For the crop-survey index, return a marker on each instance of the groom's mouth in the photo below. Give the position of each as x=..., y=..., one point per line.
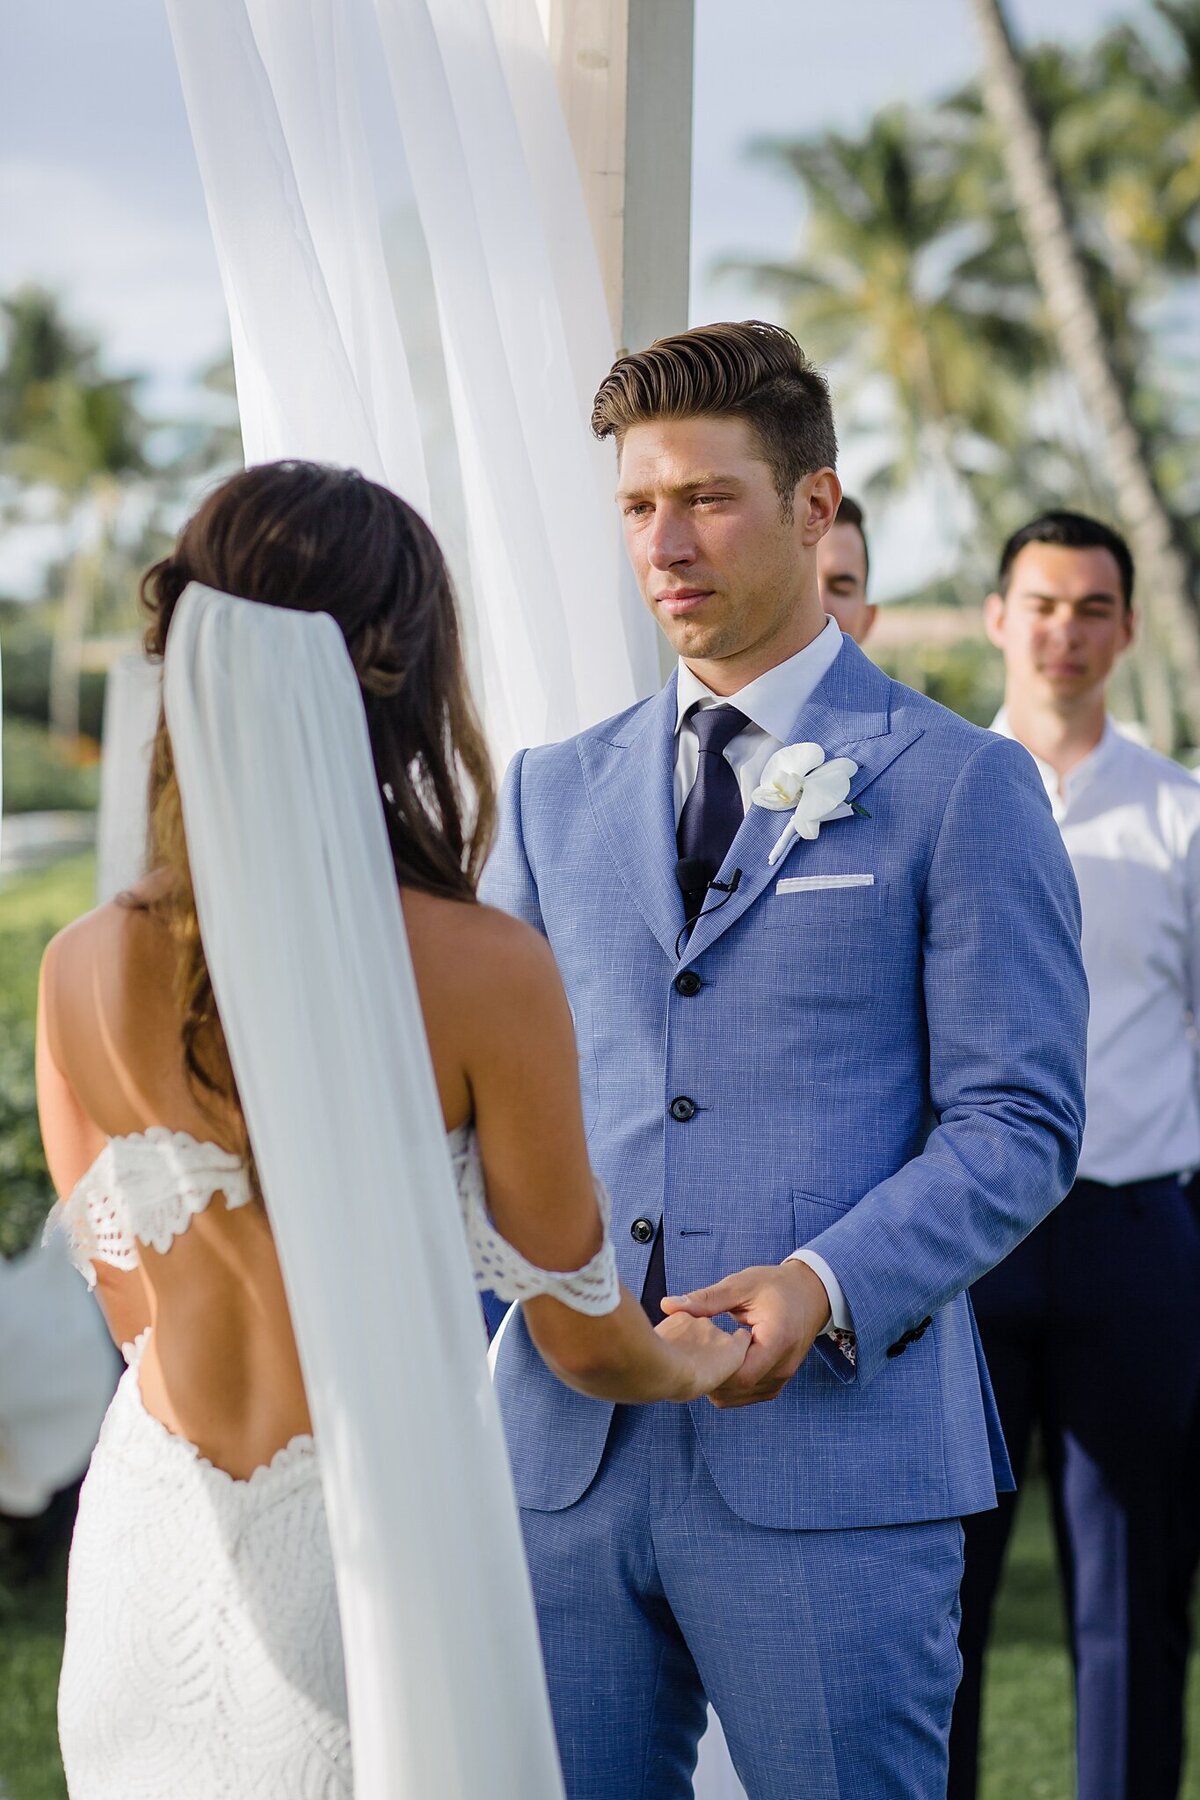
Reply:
x=682, y=600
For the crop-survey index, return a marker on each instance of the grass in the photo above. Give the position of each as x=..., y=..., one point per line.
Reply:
x=30, y=1654
x=49, y=898
x=1028, y=1752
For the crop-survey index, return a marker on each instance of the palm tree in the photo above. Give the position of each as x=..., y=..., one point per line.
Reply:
x=1160, y=546
x=66, y=425
x=923, y=323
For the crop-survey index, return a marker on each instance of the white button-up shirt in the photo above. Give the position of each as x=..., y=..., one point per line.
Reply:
x=771, y=703
x=1130, y=820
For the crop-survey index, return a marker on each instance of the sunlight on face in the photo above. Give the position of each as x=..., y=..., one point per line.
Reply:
x=722, y=567
x=842, y=579
x=1063, y=623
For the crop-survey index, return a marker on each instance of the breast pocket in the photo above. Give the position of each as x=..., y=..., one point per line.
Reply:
x=824, y=902
x=829, y=937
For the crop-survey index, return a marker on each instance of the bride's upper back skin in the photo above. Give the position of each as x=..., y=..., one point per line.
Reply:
x=129, y=1040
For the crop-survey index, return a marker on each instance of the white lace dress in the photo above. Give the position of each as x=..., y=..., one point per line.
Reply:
x=203, y=1655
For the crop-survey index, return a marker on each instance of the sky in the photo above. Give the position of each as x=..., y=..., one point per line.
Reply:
x=100, y=197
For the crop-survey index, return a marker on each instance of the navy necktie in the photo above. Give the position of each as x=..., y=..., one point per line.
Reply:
x=707, y=826
x=713, y=810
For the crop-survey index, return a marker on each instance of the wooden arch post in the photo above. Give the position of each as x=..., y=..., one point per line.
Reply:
x=624, y=71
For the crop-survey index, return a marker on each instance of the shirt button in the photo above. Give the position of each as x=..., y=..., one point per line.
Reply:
x=683, y=1109
x=688, y=983
x=641, y=1231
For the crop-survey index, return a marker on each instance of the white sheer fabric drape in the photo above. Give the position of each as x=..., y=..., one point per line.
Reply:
x=274, y=96
x=132, y=692
x=305, y=941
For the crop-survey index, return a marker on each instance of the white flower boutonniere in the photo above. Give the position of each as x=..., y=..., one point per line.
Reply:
x=799, y=780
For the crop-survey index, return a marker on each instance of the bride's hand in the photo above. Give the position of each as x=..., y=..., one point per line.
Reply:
x=708, y=1355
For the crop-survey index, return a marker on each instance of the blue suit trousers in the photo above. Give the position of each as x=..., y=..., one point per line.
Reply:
x=830, y=1656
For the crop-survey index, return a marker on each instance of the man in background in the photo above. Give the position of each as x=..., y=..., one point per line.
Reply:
x=1091, y=1327
x=842, y=568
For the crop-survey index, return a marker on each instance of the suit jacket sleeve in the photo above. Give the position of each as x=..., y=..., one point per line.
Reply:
x=1006, y=1003
x=508, y=880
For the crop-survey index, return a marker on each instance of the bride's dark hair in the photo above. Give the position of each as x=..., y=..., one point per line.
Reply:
x=315, y=539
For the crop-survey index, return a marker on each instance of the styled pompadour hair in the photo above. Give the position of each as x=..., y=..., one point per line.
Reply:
x=750, y=371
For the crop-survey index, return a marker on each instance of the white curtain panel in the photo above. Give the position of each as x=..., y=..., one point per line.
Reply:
x=132, y=694
x=320, y=368
x=305, y=941
x=275, y=100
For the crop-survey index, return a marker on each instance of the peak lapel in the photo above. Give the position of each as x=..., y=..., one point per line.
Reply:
x=630, y=780
x=848, y=715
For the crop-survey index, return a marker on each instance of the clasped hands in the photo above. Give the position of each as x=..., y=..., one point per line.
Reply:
x=784, y=1306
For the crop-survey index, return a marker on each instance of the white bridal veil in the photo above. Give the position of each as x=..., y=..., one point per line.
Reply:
x=305, y=941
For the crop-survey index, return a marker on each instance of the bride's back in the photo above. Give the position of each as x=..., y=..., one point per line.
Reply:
x=221, y=1369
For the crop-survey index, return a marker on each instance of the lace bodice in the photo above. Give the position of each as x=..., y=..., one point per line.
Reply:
x=147, y=1187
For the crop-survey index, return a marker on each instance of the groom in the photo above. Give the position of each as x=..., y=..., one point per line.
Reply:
x=827, y=1092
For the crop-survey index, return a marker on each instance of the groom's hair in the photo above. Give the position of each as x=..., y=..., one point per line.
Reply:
x=750, y=371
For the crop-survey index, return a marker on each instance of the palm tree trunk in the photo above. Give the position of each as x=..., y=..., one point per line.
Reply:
x=1167, y=570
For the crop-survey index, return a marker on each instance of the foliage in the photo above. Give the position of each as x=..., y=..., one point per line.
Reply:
x=62, y=420
x=42, y=774
x=967, y=676
x=32, y=909
x=913, y=284
x=26, y=640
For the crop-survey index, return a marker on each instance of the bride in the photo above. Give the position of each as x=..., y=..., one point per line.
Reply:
x=204, y=1651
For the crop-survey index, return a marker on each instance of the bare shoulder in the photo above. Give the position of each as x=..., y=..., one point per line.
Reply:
x=478, y=946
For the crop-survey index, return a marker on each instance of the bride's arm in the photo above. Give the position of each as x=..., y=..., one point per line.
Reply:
x=523, y=1073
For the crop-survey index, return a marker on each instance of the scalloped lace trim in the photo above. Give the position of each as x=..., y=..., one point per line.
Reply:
x=295, y=1454
x=595, y=1289
x=145, y=1187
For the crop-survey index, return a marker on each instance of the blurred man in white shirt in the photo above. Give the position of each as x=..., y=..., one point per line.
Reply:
x=1092, y=1326
x=843, y=564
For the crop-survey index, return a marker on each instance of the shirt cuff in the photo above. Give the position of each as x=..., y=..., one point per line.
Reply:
x=839, y=1312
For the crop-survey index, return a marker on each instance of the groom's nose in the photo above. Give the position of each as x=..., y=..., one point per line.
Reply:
x=670, y=541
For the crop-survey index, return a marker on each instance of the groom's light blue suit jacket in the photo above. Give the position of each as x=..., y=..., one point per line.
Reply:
x=891, y=1073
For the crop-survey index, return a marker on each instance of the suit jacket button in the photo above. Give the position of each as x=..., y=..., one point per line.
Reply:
x=641, y=1231
x=687, y=983
x=683, y=1109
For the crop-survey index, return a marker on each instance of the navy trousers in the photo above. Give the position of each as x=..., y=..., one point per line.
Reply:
x=1091, y=1330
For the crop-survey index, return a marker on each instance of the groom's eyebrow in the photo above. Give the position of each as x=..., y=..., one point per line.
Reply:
x=697, y=485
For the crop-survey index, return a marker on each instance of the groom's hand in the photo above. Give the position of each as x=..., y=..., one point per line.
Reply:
x=786, y=1308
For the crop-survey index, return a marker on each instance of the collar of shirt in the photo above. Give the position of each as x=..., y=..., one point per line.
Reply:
x=1062, y=790
x=770, y=702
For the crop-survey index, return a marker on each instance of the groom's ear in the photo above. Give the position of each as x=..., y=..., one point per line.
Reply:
x=815, y=503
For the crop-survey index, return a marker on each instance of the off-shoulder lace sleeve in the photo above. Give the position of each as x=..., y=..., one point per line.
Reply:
x=595, y=1289
x=144, y=1188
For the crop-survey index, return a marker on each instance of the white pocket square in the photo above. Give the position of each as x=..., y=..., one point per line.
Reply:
x=810, y=884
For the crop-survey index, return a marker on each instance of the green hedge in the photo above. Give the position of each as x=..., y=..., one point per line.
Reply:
x=40, y=775
x=32, y=909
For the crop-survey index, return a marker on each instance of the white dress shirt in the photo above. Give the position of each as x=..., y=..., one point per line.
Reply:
x=771, y=703
x=1130, y=820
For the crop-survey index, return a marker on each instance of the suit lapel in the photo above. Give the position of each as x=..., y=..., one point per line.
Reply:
x=849, y=714
x=630, y=781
